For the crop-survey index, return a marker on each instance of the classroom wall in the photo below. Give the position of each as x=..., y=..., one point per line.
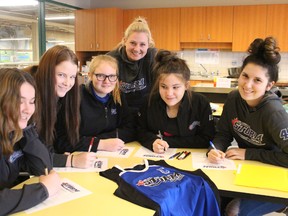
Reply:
x=227, y=59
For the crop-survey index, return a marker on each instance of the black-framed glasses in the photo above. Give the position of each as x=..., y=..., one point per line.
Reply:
x=102, y=77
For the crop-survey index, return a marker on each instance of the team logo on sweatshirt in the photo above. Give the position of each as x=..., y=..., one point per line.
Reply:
x=137, y=85
x=15, y=156
x=156, y=181
x=247, y=133
x=284, y=134
x=113, y=111
x=193, y=125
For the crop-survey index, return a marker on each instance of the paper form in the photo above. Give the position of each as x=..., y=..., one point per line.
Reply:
x=100, y=164
x=69, y=191
x=146, y=153
x=200, y=161
x=123, y=153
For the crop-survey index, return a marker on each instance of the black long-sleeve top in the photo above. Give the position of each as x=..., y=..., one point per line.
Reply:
x=30, y=155
x=192, y=128
x=136, y=77
x=102, y=120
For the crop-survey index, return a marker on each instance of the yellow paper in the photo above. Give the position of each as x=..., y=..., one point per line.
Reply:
x=269, y=177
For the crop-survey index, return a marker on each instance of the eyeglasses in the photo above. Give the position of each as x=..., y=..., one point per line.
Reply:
x=102, y=77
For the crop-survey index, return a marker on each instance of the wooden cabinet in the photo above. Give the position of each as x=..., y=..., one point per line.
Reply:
x=277, y=24
x=98, y=29
x=206, y=24
x=163, y=23
x=84, y=30
x=249, y=24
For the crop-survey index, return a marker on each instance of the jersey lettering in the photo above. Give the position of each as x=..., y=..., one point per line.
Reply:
x=284, y=134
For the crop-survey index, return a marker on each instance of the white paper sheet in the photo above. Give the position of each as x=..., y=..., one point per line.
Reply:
x=200, y=161
x=69, y=191
x=100, y=164
x=123, y=153
x=146, y=153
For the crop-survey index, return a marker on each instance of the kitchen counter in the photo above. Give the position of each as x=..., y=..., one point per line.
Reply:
x=214, y=90
x=284, y=91
x=201, y=78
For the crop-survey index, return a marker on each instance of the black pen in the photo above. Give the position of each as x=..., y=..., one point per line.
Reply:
x=161, y=137
x=187, y=154
x=175, y=155
x=181, y=155
x=184, y=155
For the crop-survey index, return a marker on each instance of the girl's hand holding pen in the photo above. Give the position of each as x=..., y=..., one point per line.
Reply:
x=215, y=155
x=160, y=146
x=82, y=160
x=52, y=182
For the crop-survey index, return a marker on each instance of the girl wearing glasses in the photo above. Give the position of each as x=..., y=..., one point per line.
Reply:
x=105, y=116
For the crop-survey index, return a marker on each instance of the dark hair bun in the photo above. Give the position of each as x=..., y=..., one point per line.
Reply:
x=164, y=56
x=266, y=49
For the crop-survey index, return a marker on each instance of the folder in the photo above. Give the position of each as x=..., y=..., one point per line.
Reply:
x=261, y=176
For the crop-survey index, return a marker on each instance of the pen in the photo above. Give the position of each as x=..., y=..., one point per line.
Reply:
x=212, y=145
x=160, y=135
x=182, y=155
x=175, y=155
x=46, y=171
x=186, y=154
x=179, y=154
x=91, y=144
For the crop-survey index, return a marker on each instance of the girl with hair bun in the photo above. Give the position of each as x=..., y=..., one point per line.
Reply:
x=254, y=107
x=174, y=116
x=135, y=55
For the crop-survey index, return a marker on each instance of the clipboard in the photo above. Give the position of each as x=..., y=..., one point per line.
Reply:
x=261, y=176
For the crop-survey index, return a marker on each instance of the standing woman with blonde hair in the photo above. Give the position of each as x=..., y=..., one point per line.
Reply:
x=135, y=55
x=59, y=119
x=105, y=117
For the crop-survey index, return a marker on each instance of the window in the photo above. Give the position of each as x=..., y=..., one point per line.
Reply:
x=19, y=32
x=59, y=25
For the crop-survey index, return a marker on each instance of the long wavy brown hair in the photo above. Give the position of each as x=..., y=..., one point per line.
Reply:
x=11, y=80
x=46, y=80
